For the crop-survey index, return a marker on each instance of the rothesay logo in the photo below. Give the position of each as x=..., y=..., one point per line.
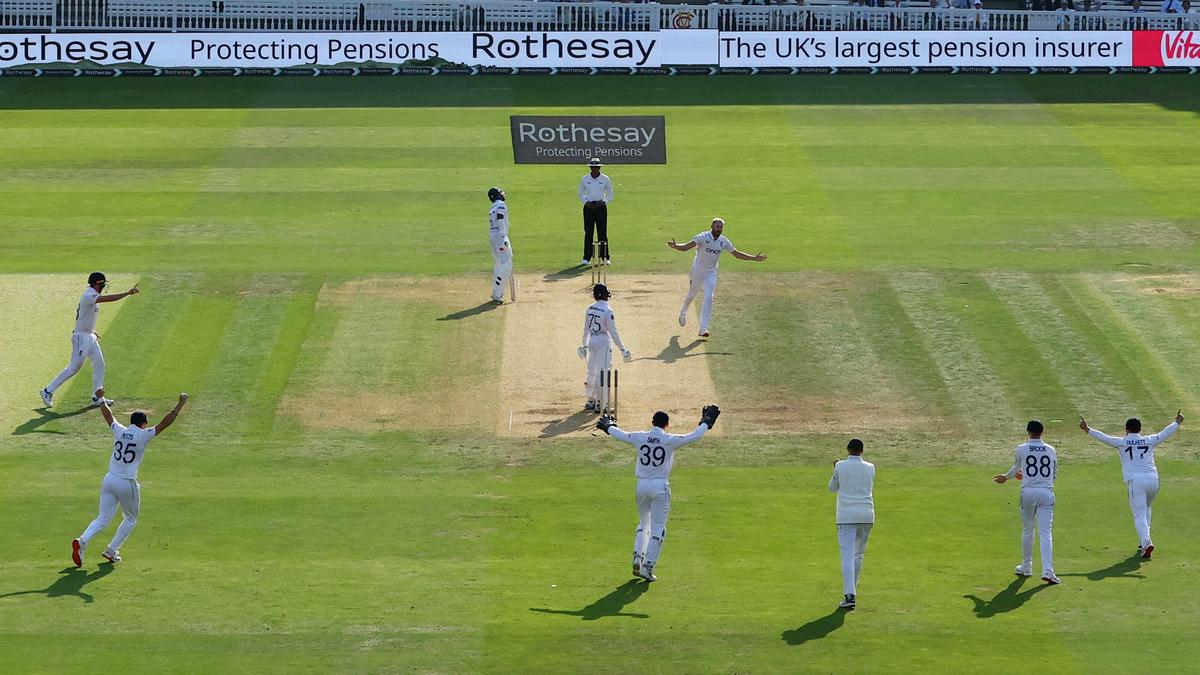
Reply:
x=575, y=140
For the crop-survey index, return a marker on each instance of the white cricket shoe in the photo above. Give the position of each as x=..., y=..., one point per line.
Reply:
x=848, y=601
x=647, y=572
x=683, y=318
x=112, y=556
x=47, y=398
x=584, y=262
x=1024, y=570
x=1051, y=579
x=607, y=261
x=98, y=400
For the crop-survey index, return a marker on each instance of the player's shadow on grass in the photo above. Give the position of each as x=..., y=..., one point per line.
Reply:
x=1006, y=600
x=815, y=629
x=567, y=273
x=470, y=312
x=580, y=421
x=45, y=416
x=70, y=583
x=1118, y=570
x=675, y=351
x=609, y=605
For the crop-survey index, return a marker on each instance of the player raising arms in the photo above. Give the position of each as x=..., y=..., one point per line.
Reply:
x=709, y=247
x=655, y=456
x=85, y=341
x=120, y=486
x=1138, y=470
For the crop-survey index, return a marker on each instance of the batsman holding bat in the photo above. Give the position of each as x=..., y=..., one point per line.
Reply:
x=655, y=456
x=502, y=256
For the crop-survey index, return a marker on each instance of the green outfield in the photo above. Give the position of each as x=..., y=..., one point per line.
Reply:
x=379, y=472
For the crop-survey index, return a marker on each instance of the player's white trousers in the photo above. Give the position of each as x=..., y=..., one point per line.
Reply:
x=654, y=505
x=115, y=491
x=502, y=266
x=83, y=346
x=599, y=358
x=1037, y=512
x=705, y=280
x=1142, y=492
x=852, y=543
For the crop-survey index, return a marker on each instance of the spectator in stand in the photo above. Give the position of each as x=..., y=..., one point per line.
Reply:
x=1171, y=7
x=981, y=19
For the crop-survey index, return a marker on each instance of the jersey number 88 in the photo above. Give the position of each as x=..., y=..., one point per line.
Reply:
x=1039, y=466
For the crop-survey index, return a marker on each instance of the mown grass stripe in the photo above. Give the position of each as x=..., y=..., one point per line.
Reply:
x=899, y=347
x=1143, y=314
x=1089, y=386
x=961, y=363
x=284, y=355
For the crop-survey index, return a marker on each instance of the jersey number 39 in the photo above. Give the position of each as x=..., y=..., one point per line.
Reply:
x=652, y=456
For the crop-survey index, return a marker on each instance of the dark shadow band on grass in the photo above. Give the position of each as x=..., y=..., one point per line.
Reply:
x=1123, y=569
x=1006, y=600
x=608, y=606
x=815, y=629
x=70, y=583
x=566, y=274
x=532, y=91
x=45, y=416
x=674, y=351
x=470, y=312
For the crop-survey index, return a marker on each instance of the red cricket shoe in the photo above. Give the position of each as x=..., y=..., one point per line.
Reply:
x=77, y=552
x=1147, y=551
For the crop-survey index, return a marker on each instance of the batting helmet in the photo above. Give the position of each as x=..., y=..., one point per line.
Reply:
x=495, y=193
x=95, y=277
x=600, y=292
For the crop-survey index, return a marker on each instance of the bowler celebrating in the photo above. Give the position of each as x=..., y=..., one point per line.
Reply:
x=1036, y=466
x=1139, y=471
x=655, y=456
x=599, y=325
x=120, y=486
x=709, y=247
x=85, y=342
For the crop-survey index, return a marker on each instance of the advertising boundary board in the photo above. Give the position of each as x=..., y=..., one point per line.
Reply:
x=666, y=52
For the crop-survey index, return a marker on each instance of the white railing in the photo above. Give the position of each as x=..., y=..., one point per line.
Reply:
x=501, y=15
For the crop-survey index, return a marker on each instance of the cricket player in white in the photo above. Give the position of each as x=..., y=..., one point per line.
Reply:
x=1036, y=466
x=502, y=256
x=854, y=482
x=1138, y=470
x=599, y=334
x=85, y=341
x=655, y=457
x=709, y=247
x=120, y=486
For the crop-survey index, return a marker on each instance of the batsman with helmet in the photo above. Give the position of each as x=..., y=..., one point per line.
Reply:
x=502, y=257
x=599, y=334
x=655, y=457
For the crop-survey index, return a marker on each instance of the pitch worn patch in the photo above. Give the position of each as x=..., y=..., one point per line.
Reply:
x=542, y=377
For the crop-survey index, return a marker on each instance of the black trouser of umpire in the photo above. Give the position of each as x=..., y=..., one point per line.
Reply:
x=595, y=220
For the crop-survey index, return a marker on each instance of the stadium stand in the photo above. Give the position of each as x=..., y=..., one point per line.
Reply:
x=506, y=15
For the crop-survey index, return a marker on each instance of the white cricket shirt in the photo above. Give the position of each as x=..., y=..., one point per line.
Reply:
x=498, y=219
x=1136, y=451
x=656, y=449
x=89, y=309
x=129, y=447
x=854, y=482
x=708, y=250
x=597, y=189
x=599, y=323
x=1038, y=464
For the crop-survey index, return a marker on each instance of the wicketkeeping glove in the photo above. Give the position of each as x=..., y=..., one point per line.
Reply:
x=604, y=423
x=582, y=352
x=709, y=414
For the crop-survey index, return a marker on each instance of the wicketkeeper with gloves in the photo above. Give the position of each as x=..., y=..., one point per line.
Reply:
x=599, y=325
x=655, y=455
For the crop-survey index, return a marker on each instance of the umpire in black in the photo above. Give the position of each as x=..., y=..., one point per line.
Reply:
x=595, y=191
